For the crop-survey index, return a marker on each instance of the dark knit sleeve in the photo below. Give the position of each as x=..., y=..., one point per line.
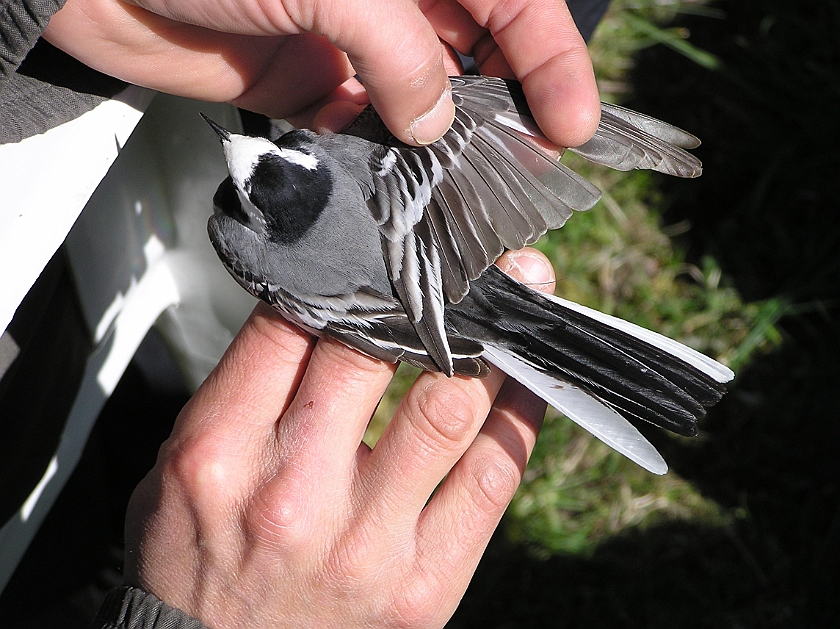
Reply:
x=21, y=24
x=40, y=86
x=587, y=14
x=131, y=608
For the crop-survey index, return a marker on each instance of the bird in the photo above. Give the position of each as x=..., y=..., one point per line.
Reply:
x=389, y=248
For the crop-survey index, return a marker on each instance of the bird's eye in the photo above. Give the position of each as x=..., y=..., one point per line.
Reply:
x=226, y=200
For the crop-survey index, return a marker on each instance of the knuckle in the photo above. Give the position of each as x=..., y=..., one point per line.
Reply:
x=443, y=416
x=356, y=564
x=280, y=514
x=349, y=567
x=495, y=481
x=416, y=604
x=195, y=468
x=502, y=13
x=427, y=69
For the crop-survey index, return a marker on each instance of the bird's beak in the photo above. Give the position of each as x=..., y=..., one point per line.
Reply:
x=224, y=134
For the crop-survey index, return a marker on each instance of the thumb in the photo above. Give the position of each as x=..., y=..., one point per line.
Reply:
x=398, y=57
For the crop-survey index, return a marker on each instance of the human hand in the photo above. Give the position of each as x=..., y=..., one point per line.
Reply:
x=283, y=57
x=265, y=509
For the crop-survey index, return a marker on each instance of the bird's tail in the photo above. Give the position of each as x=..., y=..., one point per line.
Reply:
x=596, y=369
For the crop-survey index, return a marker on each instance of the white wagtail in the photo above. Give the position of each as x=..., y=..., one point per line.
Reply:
x=390, y=249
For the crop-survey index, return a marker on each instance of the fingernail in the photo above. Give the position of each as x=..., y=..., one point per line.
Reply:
x=532, y=270
x=431, y=126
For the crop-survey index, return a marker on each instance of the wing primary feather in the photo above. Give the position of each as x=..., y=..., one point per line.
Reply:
x=574, y=191
x=512, y=222
x=516, y=184
x=656, y=128
x=626, y=140
x=476, y=212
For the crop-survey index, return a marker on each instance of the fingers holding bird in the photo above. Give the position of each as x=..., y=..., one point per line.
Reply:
x=479, y=432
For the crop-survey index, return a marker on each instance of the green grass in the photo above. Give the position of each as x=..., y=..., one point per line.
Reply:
x=632, y=25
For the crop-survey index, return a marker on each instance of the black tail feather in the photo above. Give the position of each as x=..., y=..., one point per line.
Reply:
x=628, y=374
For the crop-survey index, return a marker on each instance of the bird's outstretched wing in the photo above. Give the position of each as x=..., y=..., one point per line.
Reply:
x=448, y=210
x=627, y=139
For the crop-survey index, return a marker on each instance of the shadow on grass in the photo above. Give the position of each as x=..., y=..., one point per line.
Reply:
x=675, y=576
x=767, y=204
x=767, y=209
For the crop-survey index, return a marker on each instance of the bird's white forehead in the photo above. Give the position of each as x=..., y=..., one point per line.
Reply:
x=243, y=152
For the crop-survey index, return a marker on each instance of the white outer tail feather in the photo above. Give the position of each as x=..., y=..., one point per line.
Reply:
x=583, y=409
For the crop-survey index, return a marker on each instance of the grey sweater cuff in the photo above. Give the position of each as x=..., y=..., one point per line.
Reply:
x=129, y=607
x=40, y=86
x=21, y=24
